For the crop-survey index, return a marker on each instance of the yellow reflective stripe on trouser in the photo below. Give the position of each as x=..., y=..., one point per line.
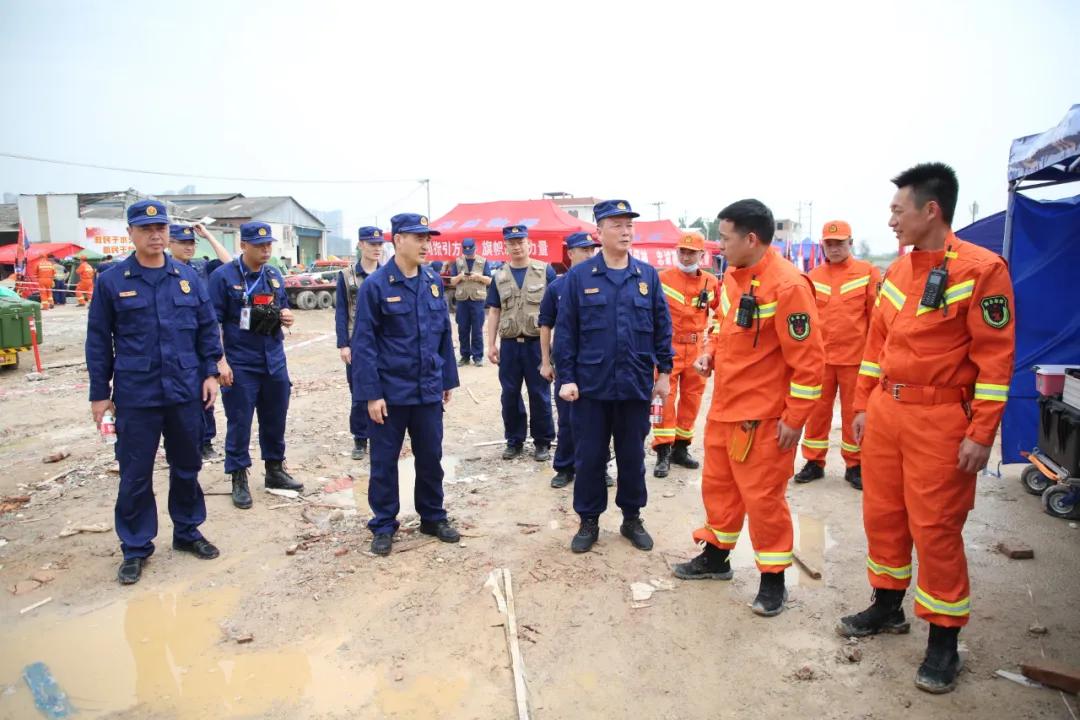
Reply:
x=773, y=558
x=892, y=293
x=816, y=444
x=953, y=294
x=673, y=294
x=822, y=288
x=807, y=392
x=900, y=573
x=767, y=310
x=870, y=369
x=849, y=447
x=855, y=284
x=663, y=432
x=684, y=434
x=725, y=537
x=961, y=608
x=986, y=391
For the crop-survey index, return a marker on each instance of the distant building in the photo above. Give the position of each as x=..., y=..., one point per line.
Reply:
x=788, y=232
x=301, y=236
x=579, y=207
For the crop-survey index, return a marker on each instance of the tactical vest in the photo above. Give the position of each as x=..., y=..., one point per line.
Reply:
x=470, y=289
x=352, y=289
x=521, y=305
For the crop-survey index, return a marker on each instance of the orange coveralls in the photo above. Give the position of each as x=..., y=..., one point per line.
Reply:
x=845, y=298
x=689, y=318
x=46, y=274
x=84, y=291
x=765, y=373
x=930, y=378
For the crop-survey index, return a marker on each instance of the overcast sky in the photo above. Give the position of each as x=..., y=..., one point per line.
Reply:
x=694, y=104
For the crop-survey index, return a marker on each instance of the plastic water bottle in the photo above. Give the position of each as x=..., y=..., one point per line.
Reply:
x=108, y=428
x=656, y=411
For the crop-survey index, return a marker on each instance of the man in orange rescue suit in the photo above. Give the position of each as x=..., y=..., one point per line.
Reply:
x=932, y=388
x=46, y=274
x=768, y=360
x=690, y=293
x=84, y=291
x=846, y=289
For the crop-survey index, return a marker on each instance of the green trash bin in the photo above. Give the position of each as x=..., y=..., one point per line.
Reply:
x=15, y=314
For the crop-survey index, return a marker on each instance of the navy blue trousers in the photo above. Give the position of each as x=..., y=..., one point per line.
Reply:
x=520, y=362
x=564, y=450
x=358, y=417
x=138, y=433
x=595, y=423
x=209, y=425
x=255, y=392
x=424, y=424
x=470, y=328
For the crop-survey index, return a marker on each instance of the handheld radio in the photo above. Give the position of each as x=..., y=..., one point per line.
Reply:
x=744, y=315
x=934, y=291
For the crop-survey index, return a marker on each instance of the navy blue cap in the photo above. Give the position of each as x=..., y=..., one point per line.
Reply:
x=411, y=223
x=468, y=244
x=513, y=232
x=148, y=212
x=612, y=208
x=181, y=233
x=371, y=234
x=580, y=240
x=256, y=233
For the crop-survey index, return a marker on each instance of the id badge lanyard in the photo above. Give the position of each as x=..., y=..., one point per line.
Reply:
x=245, y=312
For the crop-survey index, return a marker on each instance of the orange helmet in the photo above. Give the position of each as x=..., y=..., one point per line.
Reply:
x=836, y=230
x=691, y=241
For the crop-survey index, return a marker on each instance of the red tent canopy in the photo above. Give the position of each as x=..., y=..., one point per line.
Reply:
x=654, y=243
x=548, y=226
x=39, y=250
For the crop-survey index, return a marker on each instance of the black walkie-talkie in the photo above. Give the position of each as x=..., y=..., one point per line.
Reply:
x=744, y=316
x=703, y=300
x=934, y=291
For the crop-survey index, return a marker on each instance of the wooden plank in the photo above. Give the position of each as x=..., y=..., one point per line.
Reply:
x=515, y=650
x=48, y=697
x=810, y=569
x=1055, y=674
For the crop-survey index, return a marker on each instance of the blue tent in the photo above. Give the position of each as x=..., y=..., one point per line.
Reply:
x=988, y=233
x=1042, y=247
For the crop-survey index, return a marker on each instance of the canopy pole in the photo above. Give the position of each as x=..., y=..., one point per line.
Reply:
x=1006, y=244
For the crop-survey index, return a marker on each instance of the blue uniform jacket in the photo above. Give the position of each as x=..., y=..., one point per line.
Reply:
x=549, y=305
x=405, y=337
x=341, y=307
x=244, y=348
x=153, y=345
x=610, y=337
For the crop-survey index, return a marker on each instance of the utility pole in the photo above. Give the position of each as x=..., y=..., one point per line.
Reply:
x=974, y=210
x=427, y=187
x=658, y=205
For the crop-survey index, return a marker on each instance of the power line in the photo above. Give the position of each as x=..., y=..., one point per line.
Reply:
x=94, y=166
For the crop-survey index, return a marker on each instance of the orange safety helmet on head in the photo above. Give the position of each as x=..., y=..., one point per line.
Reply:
x=691, y=241
x=836, y=230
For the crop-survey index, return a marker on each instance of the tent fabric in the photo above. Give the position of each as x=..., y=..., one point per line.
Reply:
x=39, y=250
x=655, y=240
x=548, y=226
x=1043, y=259
x=1050, y=156
x=987, y=233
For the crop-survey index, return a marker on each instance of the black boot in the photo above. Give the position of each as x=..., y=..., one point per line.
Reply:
x=663, y=461
x=885, y=615
x=562, y=478
x=854, y=476
x=587, y=535
x=207, y=450
x=811, y=471
x=634, y=530
x=359, y=449
x=463, y=362
x=241, y=495
x=680, y=455
x=939, y=668
x=541, y=453
x=711, y=564
x=130, y=570
x=771, y=595
x=511, y=452
x=277, y=478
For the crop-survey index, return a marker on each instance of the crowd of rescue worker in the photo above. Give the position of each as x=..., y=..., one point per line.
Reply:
x=920, y=356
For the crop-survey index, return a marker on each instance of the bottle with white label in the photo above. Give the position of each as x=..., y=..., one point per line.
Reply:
x=108, y=428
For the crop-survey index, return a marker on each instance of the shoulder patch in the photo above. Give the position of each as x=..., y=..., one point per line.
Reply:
x=995, y=311
x=798, y=326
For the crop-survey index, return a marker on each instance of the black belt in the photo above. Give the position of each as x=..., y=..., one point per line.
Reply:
x=522, y=338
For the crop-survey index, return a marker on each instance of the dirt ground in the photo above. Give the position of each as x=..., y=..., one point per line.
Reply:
x=333, y=632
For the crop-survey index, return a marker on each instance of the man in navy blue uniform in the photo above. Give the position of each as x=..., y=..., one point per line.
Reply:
x=513, y=330
x=251, y=305
x=182, y=249
x=612, y=338
x=369, y=247
x=403, y=369
x=579, y=248
x=470, y=277
x=151, y=335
